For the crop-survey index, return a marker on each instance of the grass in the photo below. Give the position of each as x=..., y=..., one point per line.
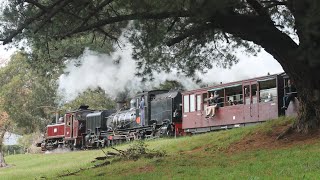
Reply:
x=196, y=157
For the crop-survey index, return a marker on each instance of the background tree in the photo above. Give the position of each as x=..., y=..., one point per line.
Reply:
x=171, y=84
x=4, y=126
x=189, y=35
x=23, y=93
x=96, y=99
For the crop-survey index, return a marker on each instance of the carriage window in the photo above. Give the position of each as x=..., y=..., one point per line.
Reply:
x=234, y=95
x=246, y=91
x=186, y=103
x=198, y=102
x=254, y=93
x=192, y=103
x=268, y=90
x=67, y=118
x=152, y=97
x=204, y=97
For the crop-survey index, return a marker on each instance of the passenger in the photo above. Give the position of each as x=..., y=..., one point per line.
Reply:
x=142, y=120
x=289, y=95
x=230, y=102
x=214, y=103
x=176, y=114
x=269, y=98
x=211, y=100
x=217, y=99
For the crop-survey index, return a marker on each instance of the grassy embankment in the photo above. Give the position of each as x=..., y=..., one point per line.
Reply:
x=244, y=153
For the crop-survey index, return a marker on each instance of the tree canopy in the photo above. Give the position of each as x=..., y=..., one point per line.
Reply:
x=185, y=34
x=96, y=99
x=24, y=93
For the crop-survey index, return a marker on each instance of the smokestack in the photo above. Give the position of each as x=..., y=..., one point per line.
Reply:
x=121, y=105
x=121, y=100
x=57, y=117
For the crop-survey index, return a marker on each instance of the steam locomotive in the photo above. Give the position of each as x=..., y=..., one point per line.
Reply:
x=85, y=128
x=172, y=113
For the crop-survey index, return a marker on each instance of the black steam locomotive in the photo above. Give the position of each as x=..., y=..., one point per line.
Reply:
x=151, y=114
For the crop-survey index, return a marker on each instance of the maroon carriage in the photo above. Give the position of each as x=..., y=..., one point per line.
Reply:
x=240, y=103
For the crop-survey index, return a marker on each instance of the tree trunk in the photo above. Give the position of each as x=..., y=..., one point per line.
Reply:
x=308, y=89
x=2, y=161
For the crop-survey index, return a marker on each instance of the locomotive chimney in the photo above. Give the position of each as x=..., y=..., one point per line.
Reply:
x=57, y=116
x=120, y=105
x=121, y=100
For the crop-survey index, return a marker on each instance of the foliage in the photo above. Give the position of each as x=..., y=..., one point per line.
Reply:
x=51, y=58
x=168, y=84
x=28, y=142
x=13, y=149
x=178, y=21
x=139, y=150
x=96, y=99
x=24, y=94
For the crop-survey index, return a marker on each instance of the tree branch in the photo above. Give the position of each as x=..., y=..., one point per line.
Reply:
x=53, y=13
x=95, y=11
x=189, y=33
x=107, y=34
x=136, y=16
x=14, y=33
x=35, y=3
x=258, y=8
x=260, y=32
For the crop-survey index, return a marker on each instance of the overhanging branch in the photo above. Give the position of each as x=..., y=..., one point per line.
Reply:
x=29, y=21
x=136, y=16
x=95, y=11
x=37, y=4
x=53, y=13
x=189, y=33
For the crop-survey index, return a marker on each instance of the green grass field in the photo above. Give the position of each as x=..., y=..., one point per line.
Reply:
x=197, y=157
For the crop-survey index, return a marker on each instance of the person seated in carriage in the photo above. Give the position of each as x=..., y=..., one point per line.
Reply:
x=214, y=102
x=290, y=94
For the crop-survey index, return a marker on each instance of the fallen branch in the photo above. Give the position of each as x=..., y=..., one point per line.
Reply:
x=102, y=164
x=120, y=151
x=287, y=131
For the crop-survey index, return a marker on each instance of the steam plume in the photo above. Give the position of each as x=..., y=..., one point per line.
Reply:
x=93, y=70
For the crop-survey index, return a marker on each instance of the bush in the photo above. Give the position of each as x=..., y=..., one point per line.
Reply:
x=13, y=149
x=139, y=150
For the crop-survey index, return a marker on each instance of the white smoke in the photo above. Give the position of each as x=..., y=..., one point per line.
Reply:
x=93, y=70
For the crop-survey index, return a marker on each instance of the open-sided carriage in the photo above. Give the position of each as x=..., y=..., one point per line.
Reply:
x=243, y=103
